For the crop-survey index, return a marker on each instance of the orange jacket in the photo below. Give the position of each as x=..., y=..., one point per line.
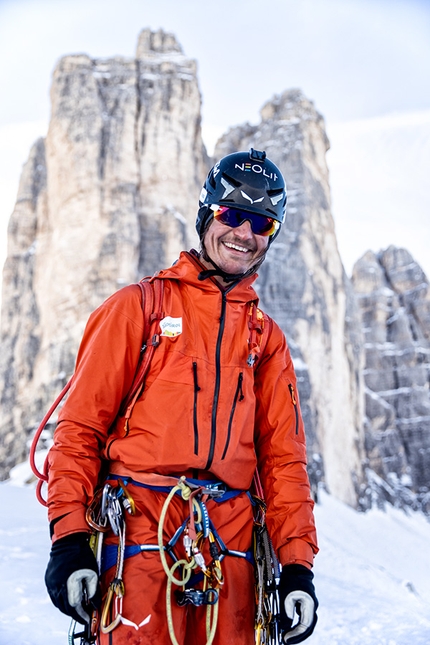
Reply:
x=204, y=407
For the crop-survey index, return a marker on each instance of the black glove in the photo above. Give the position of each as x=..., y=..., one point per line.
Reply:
x=297, y=592
x=72, y=568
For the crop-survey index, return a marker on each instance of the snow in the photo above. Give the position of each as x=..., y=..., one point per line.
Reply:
x=371, y=575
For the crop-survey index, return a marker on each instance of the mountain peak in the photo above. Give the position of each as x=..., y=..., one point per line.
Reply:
x=156, y=42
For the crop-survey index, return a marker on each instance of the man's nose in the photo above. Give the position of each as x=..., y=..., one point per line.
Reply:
x=244, y=231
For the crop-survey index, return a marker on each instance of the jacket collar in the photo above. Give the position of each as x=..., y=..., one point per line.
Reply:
x=188, y=268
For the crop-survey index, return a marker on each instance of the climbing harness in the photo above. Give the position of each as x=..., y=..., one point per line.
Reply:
x=109, y=510
x=196, y=551
x=267, y=573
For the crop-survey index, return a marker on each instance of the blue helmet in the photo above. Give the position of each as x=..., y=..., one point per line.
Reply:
x=245, y=180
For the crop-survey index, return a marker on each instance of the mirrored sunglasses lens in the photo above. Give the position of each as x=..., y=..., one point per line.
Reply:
x=263, y=225
x=228, y=216
x=233, y=217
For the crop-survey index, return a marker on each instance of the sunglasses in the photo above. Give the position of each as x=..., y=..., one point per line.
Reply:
x=233, y=217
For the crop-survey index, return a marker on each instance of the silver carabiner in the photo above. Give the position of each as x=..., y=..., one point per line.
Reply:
x=112, y=509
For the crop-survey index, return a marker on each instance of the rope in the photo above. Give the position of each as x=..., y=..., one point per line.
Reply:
x=188, y=565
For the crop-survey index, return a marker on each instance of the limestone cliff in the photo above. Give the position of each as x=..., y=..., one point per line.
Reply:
x=108, y=197
x=394, y=299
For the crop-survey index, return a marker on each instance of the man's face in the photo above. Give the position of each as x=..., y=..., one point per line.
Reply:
x=234, y=250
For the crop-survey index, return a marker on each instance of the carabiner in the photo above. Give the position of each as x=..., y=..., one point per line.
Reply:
x=116, y=587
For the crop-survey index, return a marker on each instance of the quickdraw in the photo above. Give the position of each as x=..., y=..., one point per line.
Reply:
x=88, y=635
x=115, y=502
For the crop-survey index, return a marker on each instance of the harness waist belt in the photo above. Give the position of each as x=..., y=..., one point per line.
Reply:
x=215, y=489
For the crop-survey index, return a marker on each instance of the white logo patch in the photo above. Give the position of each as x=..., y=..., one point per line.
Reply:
x=171, y=326
x=277, y=199
x=228, y=188
x=130, y=623
x=253, y=201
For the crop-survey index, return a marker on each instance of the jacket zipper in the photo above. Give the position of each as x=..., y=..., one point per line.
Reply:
x=217, y=380
x=238, y=396
x=294, y=401
x=196, y=431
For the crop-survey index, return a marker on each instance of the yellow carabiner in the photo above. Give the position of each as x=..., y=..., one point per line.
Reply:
x=129, y=503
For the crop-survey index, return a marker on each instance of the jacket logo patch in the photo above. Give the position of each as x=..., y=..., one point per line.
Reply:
x=171, y=326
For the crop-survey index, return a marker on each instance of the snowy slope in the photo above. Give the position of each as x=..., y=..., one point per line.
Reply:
x=372, y=575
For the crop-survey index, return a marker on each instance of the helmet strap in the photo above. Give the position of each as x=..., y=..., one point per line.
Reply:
x=227, y=277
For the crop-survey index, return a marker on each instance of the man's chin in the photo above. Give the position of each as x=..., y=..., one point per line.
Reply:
x=235, y=268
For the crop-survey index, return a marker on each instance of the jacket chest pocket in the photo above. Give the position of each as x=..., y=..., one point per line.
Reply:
x=238, y=396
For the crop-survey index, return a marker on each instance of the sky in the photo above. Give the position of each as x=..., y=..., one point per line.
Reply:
x=369, y=592
x=364, y=63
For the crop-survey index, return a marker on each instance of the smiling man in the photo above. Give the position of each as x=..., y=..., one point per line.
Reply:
x=242, y=206
x=220, y=403
x=235, y=250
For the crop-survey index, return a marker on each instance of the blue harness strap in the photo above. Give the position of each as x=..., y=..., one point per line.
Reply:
x=110, y=552
x=218, y=491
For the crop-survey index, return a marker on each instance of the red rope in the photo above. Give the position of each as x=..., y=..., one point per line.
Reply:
x=43, y=476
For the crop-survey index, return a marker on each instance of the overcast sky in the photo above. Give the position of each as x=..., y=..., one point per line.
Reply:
x=356, y=59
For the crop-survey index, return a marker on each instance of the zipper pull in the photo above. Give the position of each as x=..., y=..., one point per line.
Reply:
x=239, y=386
x=294, y=402
x=293, y=394
x=197, y=388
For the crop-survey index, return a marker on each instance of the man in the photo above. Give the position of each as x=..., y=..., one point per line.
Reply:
x=220, y=399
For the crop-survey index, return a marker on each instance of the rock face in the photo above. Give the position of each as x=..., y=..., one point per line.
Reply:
x=111, y=195
x=108, y=197
x=20, y=316
x=394, y=299
x=304, y=287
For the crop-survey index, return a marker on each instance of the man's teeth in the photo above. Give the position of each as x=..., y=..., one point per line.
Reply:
x=236, y=247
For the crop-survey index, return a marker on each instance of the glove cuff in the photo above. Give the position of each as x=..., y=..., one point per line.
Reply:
x=79, y=538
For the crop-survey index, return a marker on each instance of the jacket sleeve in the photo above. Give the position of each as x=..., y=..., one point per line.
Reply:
x=106, y=363
x=281, y=455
